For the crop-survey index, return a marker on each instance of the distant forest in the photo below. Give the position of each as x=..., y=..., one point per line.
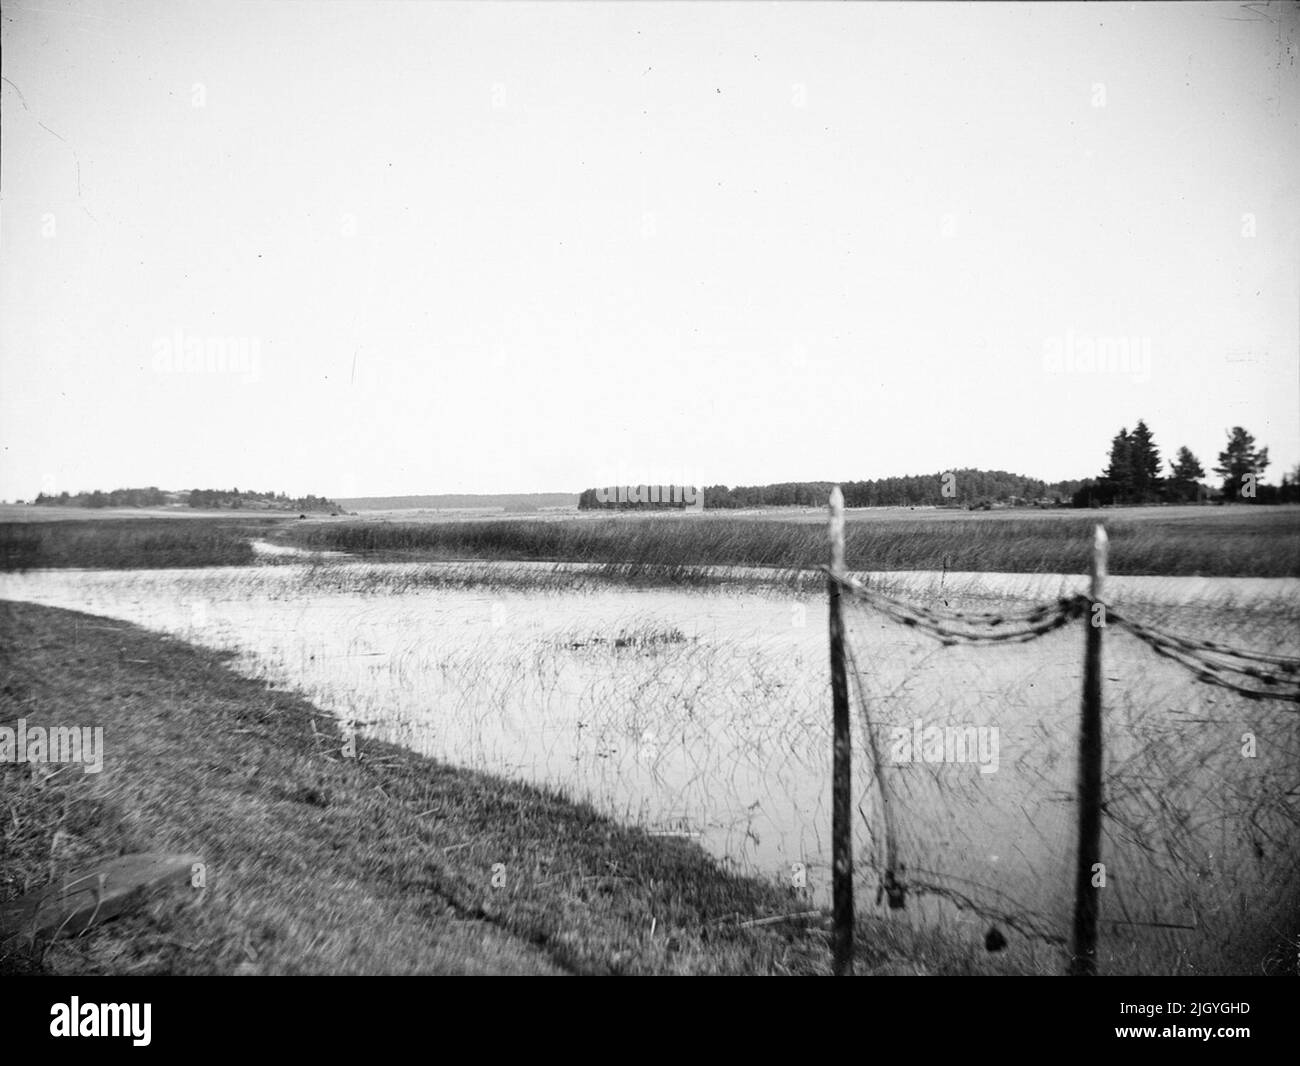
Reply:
x=207, y=499
x=150, y=497
x=1133, y=475
x=949, y=488
x=221, y=499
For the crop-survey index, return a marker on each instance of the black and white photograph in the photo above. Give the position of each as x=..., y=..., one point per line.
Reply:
x=650, y=489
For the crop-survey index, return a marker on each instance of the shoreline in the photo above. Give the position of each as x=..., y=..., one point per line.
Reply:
x=388, y=862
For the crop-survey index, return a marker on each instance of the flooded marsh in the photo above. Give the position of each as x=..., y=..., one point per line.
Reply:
x=704, y=713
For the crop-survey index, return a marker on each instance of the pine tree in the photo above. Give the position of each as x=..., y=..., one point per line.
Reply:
x=1187, y=467
x=1120, y=470
x=1239, y=461
x=1144, y=461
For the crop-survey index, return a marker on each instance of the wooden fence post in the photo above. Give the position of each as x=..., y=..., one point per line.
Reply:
x=1086, y=897
x=841, y=770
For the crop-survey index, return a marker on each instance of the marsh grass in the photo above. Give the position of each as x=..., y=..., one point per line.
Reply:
x=1242, y=541
x=689, y=551
x=141, y=543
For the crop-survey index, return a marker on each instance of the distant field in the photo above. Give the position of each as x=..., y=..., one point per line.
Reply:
x=1232, y=541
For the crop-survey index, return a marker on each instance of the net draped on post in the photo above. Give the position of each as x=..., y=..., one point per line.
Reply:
x=969, y=786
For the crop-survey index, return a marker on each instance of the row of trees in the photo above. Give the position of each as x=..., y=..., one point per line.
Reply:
x=1133, y=473
x=210, y=499
x=150, y=497
x=966, y=487
x=950, y=488
x=220, y=499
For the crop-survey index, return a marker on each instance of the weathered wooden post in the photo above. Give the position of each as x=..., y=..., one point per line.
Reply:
x=1086, y=896
x=841, y=768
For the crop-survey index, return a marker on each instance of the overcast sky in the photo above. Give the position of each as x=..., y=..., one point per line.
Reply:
x=364, y=249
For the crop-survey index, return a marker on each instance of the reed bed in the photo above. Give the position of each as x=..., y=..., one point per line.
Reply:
x=695, y=550
x=1226, y=542
x=140, y=544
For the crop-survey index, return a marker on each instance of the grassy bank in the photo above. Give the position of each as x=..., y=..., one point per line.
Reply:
x=1230, y=542
x=384, y=862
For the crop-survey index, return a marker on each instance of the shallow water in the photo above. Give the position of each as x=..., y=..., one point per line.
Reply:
x=706, y=714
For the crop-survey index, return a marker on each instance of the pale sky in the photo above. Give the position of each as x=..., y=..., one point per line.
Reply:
x=538, y=247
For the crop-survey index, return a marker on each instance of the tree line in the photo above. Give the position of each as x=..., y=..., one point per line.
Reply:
x=208, y=499
x=1133, y=474
x=966, y=487
x=221, y=499
x=150, y=497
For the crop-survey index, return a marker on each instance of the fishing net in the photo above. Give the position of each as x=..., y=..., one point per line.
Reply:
x=967, y=727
